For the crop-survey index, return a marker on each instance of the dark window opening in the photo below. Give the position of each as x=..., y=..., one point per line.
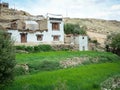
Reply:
x=56, y=38
x=39, y=37
x=55, y=26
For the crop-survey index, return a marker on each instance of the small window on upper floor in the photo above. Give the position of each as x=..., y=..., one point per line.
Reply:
x=55, y=26
x=39, y=37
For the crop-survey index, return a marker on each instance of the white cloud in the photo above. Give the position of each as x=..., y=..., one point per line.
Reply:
x=115, y=7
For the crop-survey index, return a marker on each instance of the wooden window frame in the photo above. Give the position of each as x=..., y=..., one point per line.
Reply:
x=39, y=37
x=24, y=41
x=56, y=37
x=55, y=26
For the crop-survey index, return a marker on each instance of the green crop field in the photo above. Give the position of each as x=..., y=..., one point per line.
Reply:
x=86, y=77
x=60, y=55
x=81, y=77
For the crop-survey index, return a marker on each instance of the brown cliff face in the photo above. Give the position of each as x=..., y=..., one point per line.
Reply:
x=96, y=25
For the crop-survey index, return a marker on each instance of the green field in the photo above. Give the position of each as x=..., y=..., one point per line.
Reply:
x=61, y=55
x=83, y=77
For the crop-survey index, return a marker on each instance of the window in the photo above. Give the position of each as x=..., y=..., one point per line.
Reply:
x=56, y=38
x=23, y=37
x=39, y=37
x=55, y=26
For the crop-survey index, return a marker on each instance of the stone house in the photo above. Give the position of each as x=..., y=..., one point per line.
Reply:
x=48, y=30
x=79, y=41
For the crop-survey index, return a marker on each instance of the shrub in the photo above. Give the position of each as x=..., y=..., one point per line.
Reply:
x=43, y=66
x=45, y=47
x=7, y=58
x=29, y=48
x=20, y=47
x=36, y=49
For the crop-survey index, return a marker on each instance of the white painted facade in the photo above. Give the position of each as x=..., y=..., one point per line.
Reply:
x=47, y=35
x=82, y=41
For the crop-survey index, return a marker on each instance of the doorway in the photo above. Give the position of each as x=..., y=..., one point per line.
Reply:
x=23, y=37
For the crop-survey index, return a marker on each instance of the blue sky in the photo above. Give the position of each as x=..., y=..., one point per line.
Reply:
x=101, y=9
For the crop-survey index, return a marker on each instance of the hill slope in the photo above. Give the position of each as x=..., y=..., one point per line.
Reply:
x=96, y=25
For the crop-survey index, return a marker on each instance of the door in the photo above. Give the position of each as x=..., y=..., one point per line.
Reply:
x=23, y=37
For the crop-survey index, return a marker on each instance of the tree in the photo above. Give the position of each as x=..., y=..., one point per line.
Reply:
x=74, y=29
x=7, y=58
x=114, y=43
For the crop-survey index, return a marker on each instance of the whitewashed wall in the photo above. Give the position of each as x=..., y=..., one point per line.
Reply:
x=32, y=38
x=47, y=35
x=83, y=43
x=55, y=32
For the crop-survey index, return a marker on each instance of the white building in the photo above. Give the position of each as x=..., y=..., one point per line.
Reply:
x=45, y=31
x=81, y=41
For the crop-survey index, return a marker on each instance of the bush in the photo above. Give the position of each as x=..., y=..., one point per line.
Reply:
x=74, y=29
x=29, y=48
x=39, y=48
x=7, y=58
x=43, y=66
x=20, y=47
x=45, y=47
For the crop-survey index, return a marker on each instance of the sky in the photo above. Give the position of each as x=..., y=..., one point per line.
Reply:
x=99, y=9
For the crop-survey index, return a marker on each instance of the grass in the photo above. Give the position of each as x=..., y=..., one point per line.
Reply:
x=59, y=55
x=86, y=77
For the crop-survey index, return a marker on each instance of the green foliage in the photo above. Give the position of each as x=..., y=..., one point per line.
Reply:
x=7, y=58
x=43, y=66
x=29, y=48
x=113, y=41
x=43, y=48
x=57, y=56
x=39, y=48
x=88, y=77
x=45, y=61
x=74, y=29
x=20, y=47
x=68, y=28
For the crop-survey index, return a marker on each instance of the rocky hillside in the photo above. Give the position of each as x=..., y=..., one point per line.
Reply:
x=96, y=25
x=7, y=13
x=97, y=29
